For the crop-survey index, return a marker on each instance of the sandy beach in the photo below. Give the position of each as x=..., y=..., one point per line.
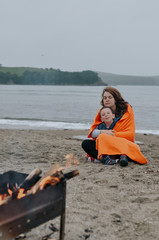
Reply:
x=103, y=202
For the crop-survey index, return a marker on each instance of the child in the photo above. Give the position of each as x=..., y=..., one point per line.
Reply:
x=108, y=122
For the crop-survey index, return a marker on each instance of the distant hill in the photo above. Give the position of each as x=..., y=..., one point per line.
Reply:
x=50, y=76
x=115, y=79
x=40, y=76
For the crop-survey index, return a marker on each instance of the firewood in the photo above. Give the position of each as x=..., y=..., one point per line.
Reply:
x=71, y=174
x=36, y=171
x=51, y=172
x=5, y=200
x=55, y=171
x=31, y=179
x=28, y=183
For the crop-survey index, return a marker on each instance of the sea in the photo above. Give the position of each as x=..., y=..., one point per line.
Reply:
x=72, y=107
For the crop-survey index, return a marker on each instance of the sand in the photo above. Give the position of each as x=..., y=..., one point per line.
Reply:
x=103, y=202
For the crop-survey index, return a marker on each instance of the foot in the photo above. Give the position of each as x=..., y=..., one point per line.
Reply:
x=107, y=160
x=123, y=160
x=94, y=160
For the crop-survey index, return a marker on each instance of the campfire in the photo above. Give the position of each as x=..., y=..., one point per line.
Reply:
x=26, y=201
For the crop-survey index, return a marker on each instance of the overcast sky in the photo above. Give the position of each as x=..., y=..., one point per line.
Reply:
x=115, y=36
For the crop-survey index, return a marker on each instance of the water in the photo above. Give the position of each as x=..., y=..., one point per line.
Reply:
x=71, y=107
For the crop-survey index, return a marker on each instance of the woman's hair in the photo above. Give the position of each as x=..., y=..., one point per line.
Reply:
x=121, y=104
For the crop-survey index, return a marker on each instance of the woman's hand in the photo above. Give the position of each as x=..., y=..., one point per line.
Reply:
x=109, y=132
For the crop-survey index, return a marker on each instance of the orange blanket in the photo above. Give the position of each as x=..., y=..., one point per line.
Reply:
x=123, y=141
x=124, y=128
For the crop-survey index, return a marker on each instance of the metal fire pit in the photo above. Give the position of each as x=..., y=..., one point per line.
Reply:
x=20, y=215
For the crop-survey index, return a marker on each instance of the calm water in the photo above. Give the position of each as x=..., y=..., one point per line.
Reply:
x=71, y=107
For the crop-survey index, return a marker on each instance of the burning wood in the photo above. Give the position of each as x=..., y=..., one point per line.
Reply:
x=20, y=191
x=51, y=173
x=33, y=183
x=31, y=179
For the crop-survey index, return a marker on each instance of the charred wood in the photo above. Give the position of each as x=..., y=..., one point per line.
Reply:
x=31, y=179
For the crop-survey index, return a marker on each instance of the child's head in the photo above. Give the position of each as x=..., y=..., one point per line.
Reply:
x=106, y=114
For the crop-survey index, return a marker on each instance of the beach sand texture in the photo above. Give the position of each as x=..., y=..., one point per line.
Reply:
x=103, y=202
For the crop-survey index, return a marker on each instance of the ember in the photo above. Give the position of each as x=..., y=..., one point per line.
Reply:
x=32, y=200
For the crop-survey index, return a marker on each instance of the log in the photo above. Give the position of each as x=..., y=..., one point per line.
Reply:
x=71, y=174
x=54, y=171
x=50, y=172
x=27, y=184
x=31, y=179
x=35, y=172
x=5, y=200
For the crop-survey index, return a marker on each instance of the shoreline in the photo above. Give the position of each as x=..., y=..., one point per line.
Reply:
x=57, y=126
x=103, y=202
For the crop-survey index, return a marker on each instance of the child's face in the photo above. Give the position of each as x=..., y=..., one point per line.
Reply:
x=106, y=115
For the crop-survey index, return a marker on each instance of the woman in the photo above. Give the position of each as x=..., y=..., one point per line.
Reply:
x=120, y=140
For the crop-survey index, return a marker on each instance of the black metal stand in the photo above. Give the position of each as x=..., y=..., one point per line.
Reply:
x=20, y=215
x=63, y=215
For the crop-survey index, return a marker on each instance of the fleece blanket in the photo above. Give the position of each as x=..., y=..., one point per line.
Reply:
x=123, y=140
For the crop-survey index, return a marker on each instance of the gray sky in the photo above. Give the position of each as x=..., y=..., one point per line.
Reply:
x=115, y=36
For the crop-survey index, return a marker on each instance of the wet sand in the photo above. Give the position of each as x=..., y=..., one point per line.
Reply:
x=103, y=202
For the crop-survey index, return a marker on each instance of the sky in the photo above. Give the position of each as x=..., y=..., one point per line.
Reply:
x=114, y=36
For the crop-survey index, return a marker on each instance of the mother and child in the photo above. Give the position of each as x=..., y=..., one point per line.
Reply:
x=113, y=132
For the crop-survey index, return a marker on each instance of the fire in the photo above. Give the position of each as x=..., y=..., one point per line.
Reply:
x=2, y=197
x=10, y=191
x=21, y=193
x=71, y=159
x=51, y=178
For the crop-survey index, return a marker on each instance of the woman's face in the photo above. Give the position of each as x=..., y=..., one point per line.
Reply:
x=109, y=100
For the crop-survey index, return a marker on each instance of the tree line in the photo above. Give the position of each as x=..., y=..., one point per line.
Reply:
x=51, y=77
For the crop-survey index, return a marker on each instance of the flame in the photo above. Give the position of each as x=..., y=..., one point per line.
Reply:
x=21, y=193
x=52, y=177
x=49, y=180
x=5, y=196
x=10, y=191
x=71, y=159
x=2, y=197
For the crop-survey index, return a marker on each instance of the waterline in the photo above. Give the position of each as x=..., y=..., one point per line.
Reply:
x=45, y=125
